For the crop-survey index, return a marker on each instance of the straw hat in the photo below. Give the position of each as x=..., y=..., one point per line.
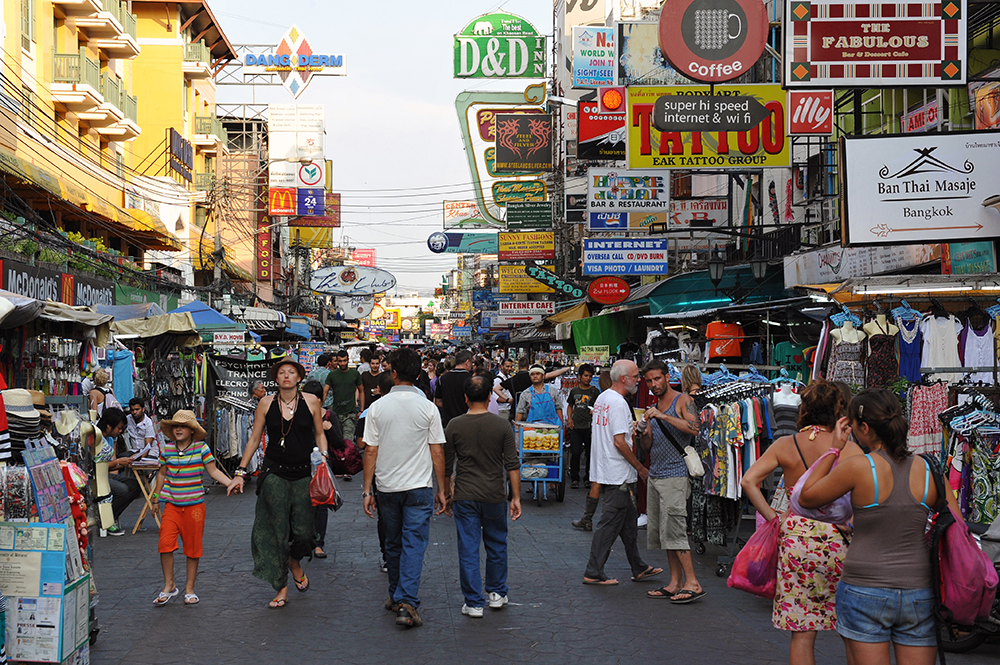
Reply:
x=185, y=418
x=287, y=361
x=38, y=400
x=18, y=402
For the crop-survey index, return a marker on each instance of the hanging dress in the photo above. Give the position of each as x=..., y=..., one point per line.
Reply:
x=882, y=367
x=847, y=366
x=979, y=351
x=909, y=350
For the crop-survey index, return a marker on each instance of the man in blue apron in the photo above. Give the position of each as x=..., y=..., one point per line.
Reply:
x=540, y=403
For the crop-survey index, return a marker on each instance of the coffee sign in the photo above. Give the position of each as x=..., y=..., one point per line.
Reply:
x=499, y=45
x=713, y=40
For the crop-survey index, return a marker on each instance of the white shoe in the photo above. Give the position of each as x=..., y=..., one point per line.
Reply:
x=643, y=521
x=472, y=612
x=497, y=601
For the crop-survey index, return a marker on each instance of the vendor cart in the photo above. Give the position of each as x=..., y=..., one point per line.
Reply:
x=540, y=448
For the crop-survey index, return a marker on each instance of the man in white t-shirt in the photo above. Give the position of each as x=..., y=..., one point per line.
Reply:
x=615, y=468
x=141, y=433
x=404, y=453
x=504, y=398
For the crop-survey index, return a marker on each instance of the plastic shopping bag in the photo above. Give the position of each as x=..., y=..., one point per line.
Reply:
x=838, y=511
x=755, y=569
x=322, y=491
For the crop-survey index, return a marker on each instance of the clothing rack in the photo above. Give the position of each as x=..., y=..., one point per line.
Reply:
x=238, y=403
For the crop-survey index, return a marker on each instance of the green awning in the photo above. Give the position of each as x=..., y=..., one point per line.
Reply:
x=694, y=290
x=600, y=330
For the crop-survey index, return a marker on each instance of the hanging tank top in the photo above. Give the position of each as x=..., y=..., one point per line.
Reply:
x=289, y=442
x=889, y=549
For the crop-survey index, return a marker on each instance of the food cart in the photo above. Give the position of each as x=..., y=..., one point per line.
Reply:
x=540, y=448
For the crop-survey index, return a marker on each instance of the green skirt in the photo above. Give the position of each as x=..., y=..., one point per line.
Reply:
x=284, y=527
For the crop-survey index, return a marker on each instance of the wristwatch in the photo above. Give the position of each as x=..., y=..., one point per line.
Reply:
x=366, y=494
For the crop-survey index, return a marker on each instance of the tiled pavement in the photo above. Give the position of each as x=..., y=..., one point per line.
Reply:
x=552, y=617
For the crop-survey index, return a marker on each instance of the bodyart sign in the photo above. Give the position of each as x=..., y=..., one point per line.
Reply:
x=499, y=45
x=523, y=143
x=920, y=188
x=763, y=146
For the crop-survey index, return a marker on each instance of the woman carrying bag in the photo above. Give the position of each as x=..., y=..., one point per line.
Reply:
x=284, y=523
x=811, y=553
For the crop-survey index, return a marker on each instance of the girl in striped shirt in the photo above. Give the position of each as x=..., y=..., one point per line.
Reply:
x=182, y=463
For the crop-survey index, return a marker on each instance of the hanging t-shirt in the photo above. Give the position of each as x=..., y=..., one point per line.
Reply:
x=792, y=357
x=611, y=416
x=940, y=345
x=724, y=340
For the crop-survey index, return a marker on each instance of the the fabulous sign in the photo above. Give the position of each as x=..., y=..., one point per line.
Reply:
x=499, y=45
x=295, y=61
x=919, y=189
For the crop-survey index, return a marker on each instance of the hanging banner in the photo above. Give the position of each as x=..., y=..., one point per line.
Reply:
x=236, y=375
x=522, y=246
x=499, y=45
x=845, y=44
x=523, y=142
x=919, y=189
x=593, y=56
x=763, y=146
x=624, y=256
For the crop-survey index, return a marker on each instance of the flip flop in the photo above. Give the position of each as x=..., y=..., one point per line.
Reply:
x=191, y=599
x=661, y=593
x=303, y=584
x=600, y=582
x=165, y=598
x=278, y=603
x=685, y=596
x=649, y=572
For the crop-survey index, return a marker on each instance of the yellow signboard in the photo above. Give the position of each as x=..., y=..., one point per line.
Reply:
x=766, y=145
x=527, y=245
x=513, y=279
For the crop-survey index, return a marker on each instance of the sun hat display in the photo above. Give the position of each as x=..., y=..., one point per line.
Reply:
x=287, y=361
x=38, y=400
x=18, y=401
x=185, y=418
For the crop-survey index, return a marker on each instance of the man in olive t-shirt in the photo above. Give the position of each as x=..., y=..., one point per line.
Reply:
x=581, y=400
x=344, y=383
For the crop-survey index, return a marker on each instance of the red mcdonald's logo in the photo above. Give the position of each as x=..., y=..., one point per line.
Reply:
x=282, y=201
x=66, y=293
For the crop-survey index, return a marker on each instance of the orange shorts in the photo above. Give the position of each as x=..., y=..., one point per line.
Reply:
x=188, y=522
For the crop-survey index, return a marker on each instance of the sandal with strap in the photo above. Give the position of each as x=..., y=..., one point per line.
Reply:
x=278, y=603
x=303, y=584
x=165, y=598
x=191, y=599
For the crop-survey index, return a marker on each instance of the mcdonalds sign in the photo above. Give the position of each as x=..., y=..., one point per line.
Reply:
x=282, y=200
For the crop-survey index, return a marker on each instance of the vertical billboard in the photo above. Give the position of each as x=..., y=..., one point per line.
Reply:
x=264, y=259
x=593, y=57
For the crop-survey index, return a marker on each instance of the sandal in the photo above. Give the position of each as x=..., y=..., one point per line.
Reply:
x=278, y=603
x=191, y=599
x=661, y=593
x=596, y=582
x=649, y=572
x=685, y=596
x=165, y=598
x=303, y=584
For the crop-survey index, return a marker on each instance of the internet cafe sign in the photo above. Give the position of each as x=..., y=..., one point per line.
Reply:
x=499, y=45
x=295, y=61
x=920, y=188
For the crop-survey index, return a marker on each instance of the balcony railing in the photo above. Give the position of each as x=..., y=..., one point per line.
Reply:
x=131, y=108
x=209, y=124
x=76, y=68
x=197, y=52
x=121, y=13
x=112, y=90
x=204, y=182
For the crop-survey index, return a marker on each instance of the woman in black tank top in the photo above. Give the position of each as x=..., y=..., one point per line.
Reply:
x=284, y=522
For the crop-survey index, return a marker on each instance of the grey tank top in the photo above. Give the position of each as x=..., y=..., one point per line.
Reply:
x=889, y=549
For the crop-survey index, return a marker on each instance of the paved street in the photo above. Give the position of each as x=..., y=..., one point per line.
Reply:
x=552, y=617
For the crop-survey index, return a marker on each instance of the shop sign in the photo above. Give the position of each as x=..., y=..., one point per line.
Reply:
x=544, y=275
x=355, y=308
x=464, y=215
x=499, y=45
x=923, y=119
x=295, y=61
x=597, y=355
x=541, y=307
x=523, y=143
x=707, y=113
x=529, y=215
x=576, y=208
x=228, y=339
x=601, y=131
x=456, y=314
x=393, y=319
x=311, y=175
x=624, y=256
x=506, y=191
x=968, y=258
x=763, y=146
x=585, y=12
x=364, y=257
x=437, y=329
x=521, y=246
x=508, y=320
x=234, y=376
x=836, y=263
x=514, y=279
x=608, y=290
x=810, y=112
x=984, y=98
x=462, y=331
x=310, y=202
x=351, y=281
x=593, y=56
x=625, y=190
x=843, y=44
x=713, y=41
x=918, y=189
x=181, y=154
x=640, y=59
x=282, y=201
x=462, y=243
x=42, y=284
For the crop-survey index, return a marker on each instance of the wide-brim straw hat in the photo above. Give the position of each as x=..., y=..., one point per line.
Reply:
x=287, y=361
x=18, y=401
x=185, y=418
x=38, y=399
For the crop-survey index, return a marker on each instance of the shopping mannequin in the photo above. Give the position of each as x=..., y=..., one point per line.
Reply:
x=785, y=396
x=848, y=333
x=880, y=326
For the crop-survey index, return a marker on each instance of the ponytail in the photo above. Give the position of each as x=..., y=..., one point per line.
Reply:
x=879, y=409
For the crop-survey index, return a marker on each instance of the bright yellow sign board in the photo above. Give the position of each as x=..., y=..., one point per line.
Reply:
x=513, y=279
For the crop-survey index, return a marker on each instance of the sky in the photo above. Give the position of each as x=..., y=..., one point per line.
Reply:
x=391, y=127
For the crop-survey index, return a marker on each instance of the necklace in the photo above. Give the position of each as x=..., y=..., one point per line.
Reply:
x=284, y=432
x=816, y=429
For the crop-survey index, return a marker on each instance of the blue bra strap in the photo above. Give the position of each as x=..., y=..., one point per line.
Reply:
x=927, y=480
x=875, y=479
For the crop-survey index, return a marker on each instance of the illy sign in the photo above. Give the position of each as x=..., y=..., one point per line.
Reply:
x=810, y=112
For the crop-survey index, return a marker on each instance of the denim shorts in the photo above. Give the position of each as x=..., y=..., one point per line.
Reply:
x=875, y=614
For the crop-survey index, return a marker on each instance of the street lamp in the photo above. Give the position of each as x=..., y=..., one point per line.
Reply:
x=716, y=266
x=758, y=267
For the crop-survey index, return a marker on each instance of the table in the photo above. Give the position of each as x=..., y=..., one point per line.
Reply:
x=149, y=507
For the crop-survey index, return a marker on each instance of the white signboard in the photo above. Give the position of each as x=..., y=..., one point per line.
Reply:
x=627, y=190
x=352, y=281
x=228, y=338
x=836, y=263
x=919, y=189
x=528, y=307
x=506, y=320
x=464, y=215
x=356, y=308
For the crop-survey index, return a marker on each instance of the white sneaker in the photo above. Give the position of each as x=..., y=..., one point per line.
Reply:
x=497, y=601
x=472, y=612
x=643, y=521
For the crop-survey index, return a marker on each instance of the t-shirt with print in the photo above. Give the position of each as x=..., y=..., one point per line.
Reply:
x=581, y=399
x=611, y=416
x=342, y=386
x=183, y=486
x=724, y=339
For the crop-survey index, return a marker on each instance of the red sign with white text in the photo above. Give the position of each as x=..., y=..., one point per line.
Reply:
x=364, y=257
x=608, y=290
x=264, y=259
x=810, y=112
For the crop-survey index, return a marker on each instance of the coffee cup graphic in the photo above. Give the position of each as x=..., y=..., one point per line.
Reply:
x=715, y=28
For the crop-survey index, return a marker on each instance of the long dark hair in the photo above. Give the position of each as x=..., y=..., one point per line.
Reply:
x=822, y=405
x=880, y=410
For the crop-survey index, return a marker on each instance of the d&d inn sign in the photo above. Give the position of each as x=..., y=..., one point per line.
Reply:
x=499, y=45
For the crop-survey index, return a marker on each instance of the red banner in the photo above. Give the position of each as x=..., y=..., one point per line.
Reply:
x=264, y=258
